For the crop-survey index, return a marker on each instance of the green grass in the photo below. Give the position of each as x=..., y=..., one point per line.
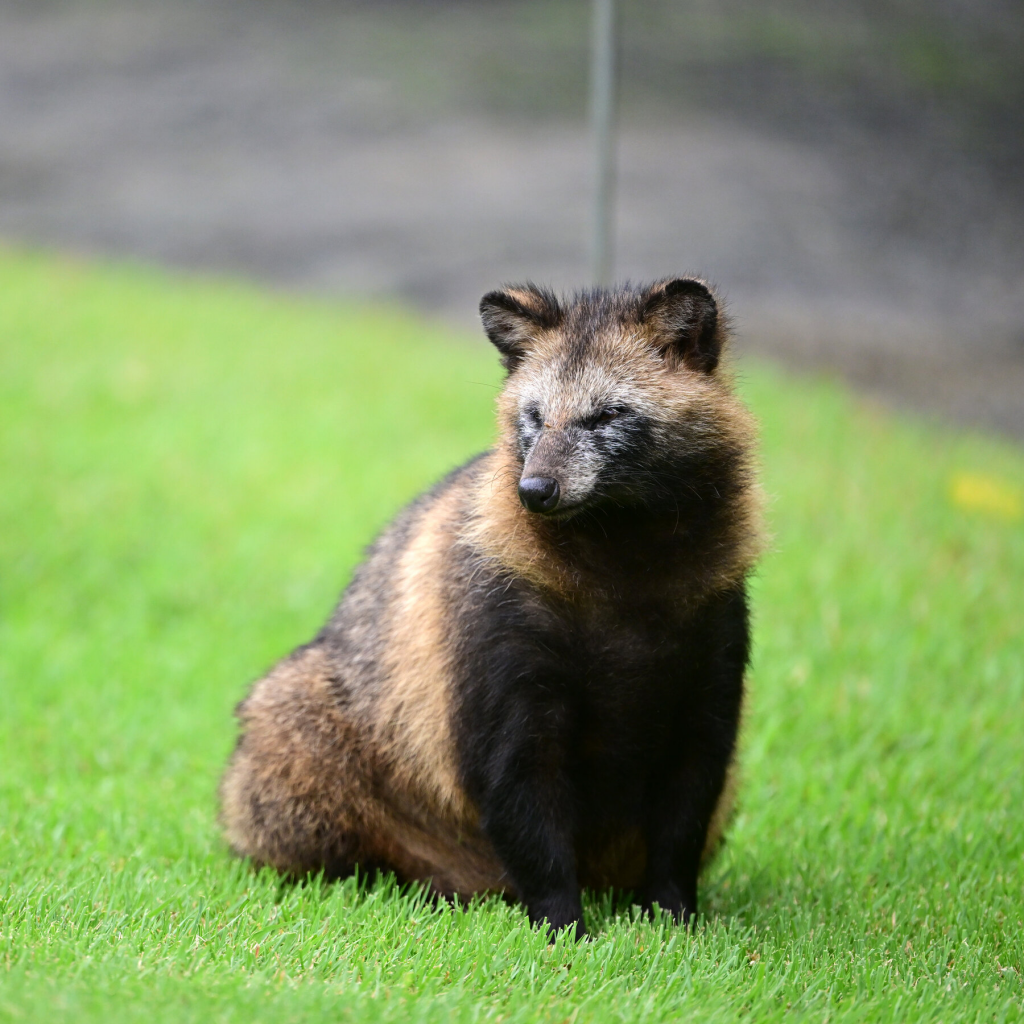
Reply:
x=188, y=472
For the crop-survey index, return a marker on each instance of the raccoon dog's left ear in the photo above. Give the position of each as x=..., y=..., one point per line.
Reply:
x=685, y=316
x=512, y=318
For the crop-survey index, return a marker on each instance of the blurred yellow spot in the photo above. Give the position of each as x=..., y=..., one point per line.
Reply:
x=979, y=493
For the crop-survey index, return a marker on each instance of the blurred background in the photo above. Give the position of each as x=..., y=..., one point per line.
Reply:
x=849, y=172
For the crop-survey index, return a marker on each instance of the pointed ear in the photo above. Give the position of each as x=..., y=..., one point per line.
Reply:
x=687, y=325
x=513, y=316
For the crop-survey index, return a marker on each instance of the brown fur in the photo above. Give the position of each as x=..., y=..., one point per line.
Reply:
x=364, y=782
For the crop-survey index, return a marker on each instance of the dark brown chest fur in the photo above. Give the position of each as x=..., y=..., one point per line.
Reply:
x=609, y=696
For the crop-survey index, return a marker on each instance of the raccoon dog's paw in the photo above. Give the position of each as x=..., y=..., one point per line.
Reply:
x=557, y=913
x=671, y=900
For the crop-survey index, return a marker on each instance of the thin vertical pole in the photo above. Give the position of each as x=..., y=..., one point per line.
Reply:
x=602, y=126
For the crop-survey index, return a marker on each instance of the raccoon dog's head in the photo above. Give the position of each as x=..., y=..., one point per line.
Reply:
x=613, y=398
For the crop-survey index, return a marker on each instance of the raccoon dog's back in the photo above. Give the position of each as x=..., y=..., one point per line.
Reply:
x=534, y=680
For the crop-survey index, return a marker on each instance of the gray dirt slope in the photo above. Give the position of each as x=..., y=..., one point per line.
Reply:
x=848, y=173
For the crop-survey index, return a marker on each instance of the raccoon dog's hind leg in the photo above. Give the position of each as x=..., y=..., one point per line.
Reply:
x=295, y=794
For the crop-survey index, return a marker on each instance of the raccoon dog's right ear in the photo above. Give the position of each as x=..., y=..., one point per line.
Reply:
x=512, y=318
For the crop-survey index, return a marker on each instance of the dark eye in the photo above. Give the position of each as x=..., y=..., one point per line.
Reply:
x=604, y=416
x=533, y=416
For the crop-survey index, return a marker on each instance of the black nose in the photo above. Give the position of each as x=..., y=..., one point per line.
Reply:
x=538, y=493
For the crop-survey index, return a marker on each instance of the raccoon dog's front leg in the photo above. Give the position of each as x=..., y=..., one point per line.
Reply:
x=684, y=793
x=678, y=817
x=528, y=811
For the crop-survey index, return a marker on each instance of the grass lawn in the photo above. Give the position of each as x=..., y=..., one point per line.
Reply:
x=188, y=472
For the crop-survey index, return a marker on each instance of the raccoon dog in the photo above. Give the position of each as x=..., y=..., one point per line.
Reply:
x=533, y=683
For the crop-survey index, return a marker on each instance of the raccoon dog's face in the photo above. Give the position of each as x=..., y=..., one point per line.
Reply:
x=613, y=397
